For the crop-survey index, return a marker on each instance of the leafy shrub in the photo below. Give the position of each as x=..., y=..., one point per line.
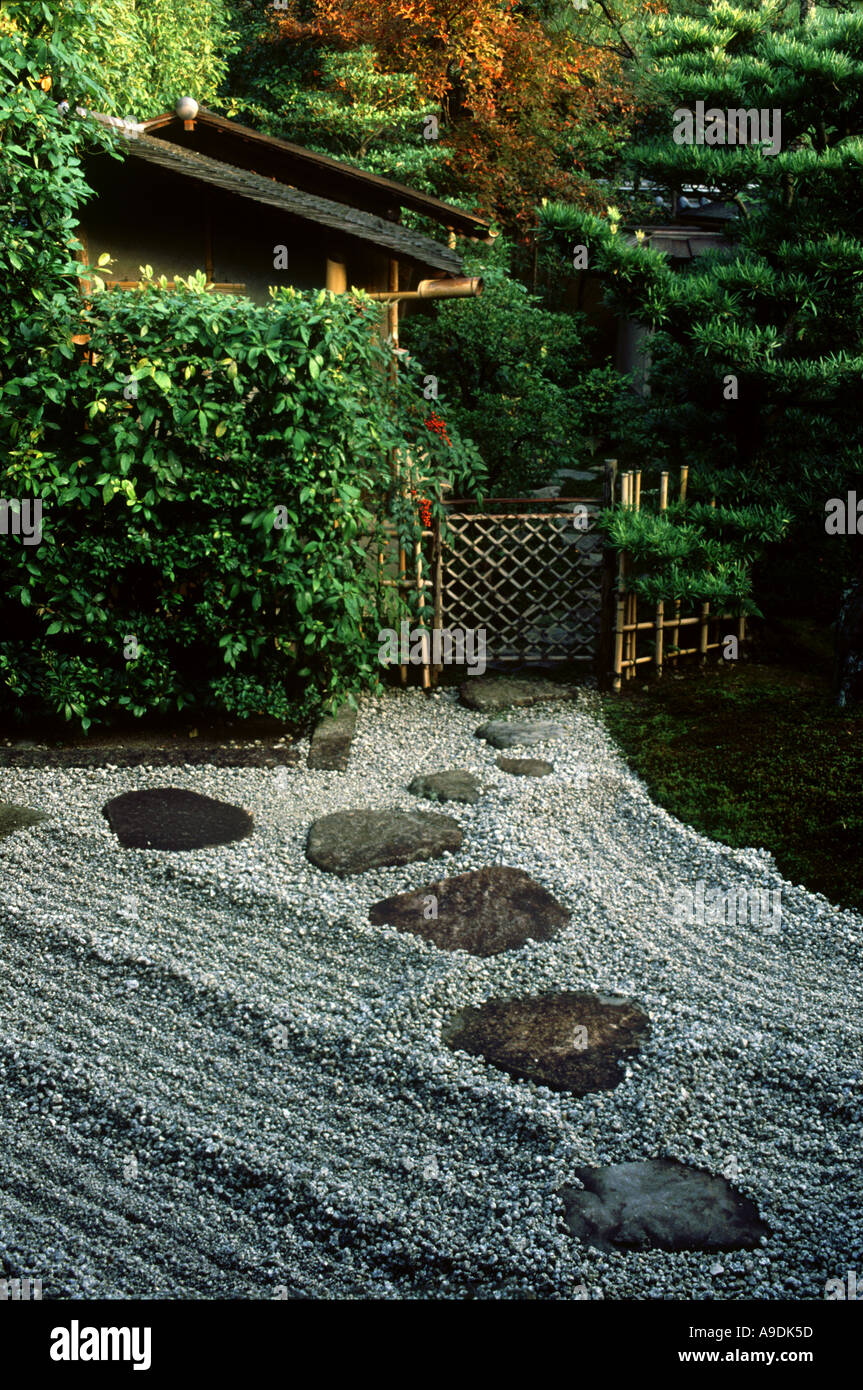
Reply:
x=518, y=380
x=213, y=475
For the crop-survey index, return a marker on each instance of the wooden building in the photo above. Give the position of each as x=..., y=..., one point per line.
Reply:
x=197, y=192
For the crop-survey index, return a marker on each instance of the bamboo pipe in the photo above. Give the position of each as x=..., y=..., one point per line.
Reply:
x=456, y=287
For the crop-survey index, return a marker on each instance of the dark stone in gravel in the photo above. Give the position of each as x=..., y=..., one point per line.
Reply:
x=660, y=1204
x=484, y=912
x=490, y=693
x=330, y=747
x=455, y=785
x=501, y=733
x=14, y=817
x=171, y=818
x=525, y=767
x=567, y=1041
x=350, y=842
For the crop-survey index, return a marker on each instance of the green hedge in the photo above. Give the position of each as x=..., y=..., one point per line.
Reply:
x=211, y=473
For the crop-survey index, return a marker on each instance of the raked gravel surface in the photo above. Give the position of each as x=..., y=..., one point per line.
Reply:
x=217, y=1079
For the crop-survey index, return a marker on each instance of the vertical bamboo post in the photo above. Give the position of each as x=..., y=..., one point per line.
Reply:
x=392, y=316
x=606, y=646
x=632, y=616
x=620, y=617
x=702, y=633
x=660, y=604
x=438, y=590
x=418, y=556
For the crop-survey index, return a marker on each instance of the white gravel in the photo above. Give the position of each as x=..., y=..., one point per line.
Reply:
x=219, y=1080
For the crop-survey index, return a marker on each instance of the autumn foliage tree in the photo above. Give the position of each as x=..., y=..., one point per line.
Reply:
x=525, y=113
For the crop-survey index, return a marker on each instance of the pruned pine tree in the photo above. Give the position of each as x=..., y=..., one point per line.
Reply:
x=757, y=353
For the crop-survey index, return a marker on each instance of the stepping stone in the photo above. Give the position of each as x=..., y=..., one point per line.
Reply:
x=330, y=747
x=484, y=912
x=349, y=842
x=660, y=1204
x=567, y=1041
x=490, y=693
x=14, y=817
x=171, y=818
x=505, y=735
x=456, y=785
x=524, y=767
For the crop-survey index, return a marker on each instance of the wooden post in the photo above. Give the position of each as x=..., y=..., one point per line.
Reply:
x=392, y=317
x=209, y=265
x=625, y=484
x=684, y=481
x=403, y=565
x=427, y=655
x=632, y=604
x=660, y=603
x=393, y=306
x=337, y=277
x=438, y=590
x=702, y=633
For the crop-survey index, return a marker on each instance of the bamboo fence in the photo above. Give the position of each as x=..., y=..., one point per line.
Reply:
x=627, y=626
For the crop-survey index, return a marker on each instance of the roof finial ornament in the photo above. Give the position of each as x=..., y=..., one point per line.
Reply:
x=187, y=109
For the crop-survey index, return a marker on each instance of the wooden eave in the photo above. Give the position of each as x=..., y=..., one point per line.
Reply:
x=390, y=237
x=290, y=163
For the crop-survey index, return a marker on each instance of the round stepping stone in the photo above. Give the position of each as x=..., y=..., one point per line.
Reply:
x=171, y=818
x=525, y=767
x=660, y=1204
x=14, y=817
x=501, y=734
x=490, y=693
x=484, y=912
x=567, y=1041
x=456, y=785
x=349, y=842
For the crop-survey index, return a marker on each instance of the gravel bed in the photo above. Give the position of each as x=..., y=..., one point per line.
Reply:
x=219, y=1080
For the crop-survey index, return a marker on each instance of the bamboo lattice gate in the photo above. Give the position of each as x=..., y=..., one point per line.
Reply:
x=527, y=571
x=535, y=576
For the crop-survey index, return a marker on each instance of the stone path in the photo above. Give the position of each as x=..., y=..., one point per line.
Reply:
x=660, y=1205
x=484, y=912
x=566, y=1041
x=441, y=1011
x=170, y=818
x=455, y=785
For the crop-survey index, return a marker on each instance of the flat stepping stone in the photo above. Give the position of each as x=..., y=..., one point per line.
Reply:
x=171, y=818
x=13, y=817
x=484, y=912
x=501, y=734
x=455, y=785
x=490, y=693
x=350, y=842
x=330, y=746
x=660, y=1204
x=524, y=767
x=566, y=1041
